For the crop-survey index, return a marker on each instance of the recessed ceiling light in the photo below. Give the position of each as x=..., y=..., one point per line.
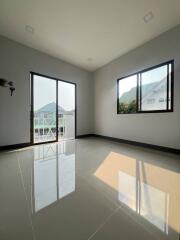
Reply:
x=29, y=29
x=148, y=17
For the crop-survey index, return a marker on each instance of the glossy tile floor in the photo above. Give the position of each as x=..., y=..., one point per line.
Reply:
x=89, y=189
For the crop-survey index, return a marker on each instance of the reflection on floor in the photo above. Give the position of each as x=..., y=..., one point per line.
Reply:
x=89, y=189
x=54, y=174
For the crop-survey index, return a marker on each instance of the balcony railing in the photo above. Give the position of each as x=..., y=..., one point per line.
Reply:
x=45, y=128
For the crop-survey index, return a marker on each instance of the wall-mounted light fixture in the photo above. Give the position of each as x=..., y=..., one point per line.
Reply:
x=5, y=83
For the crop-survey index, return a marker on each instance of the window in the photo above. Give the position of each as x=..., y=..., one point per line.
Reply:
x=150, y=90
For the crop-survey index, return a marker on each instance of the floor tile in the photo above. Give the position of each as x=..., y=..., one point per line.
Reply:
x=14, y=219
x=89, y=189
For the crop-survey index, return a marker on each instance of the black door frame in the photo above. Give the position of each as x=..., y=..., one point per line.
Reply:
x=32, y=106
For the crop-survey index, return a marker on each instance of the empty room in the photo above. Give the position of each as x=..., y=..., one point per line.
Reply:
x=89, y=119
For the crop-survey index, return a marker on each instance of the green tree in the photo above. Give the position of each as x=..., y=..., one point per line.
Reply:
x=132, y=107
x=127, y=107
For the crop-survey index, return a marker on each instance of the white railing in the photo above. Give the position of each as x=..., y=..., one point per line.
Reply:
x=45, y=128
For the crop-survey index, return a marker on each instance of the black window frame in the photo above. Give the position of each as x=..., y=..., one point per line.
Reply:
x=139, y=89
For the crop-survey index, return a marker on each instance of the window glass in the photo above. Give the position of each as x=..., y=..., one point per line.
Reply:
x=127, y=94
x=154, y=89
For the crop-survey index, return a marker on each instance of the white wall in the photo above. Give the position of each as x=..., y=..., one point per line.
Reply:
x=16, y=63
x=160, y=128
x=154, y=128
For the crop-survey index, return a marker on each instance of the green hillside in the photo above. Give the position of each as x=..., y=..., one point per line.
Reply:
x=129, y=96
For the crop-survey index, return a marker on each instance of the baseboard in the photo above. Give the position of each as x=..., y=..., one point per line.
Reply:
x=14, y=146
x=85, y=135
x=140, y=144
x=23, y=145
x=134, y=143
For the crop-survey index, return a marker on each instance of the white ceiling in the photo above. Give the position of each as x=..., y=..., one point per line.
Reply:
x=86, y=33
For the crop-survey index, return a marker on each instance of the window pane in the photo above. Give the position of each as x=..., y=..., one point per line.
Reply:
x=66, y=110
x=127, y=94
x=154, y=89
x=44, y=109
x=169, y=100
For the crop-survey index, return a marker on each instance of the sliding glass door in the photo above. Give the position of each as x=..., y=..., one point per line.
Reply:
x=52, y=109
x=44, y=109
x=66, y=110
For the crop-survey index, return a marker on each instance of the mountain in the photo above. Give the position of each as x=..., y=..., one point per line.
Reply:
x=128, y=96
x=146, y=88
x=51, y=108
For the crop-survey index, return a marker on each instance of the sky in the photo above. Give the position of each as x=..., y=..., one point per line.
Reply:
x=45, y=93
